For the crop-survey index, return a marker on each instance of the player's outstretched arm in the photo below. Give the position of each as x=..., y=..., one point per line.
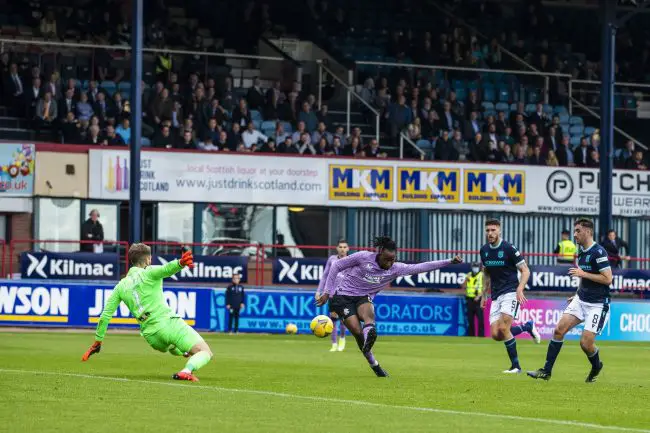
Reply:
x=100, y=332
x=171, y=268
x=323, y=279
x=403, y=269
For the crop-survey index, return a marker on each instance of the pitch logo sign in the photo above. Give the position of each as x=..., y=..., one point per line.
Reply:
x=69, y=266
x=505, y=187
x=364, y=183
x=209, y=269
x=298, y=271
x=559, y=186
x=34, y=304
x=428, y=185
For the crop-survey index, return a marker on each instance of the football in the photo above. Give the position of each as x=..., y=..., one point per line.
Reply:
x=291, y=328
x=321, y=326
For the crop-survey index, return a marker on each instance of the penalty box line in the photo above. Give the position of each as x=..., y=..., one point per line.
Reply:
x=335, y=400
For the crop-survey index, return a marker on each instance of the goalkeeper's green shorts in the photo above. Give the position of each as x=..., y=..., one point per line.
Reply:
x=177, y=334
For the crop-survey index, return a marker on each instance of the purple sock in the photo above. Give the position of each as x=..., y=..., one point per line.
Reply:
x=334, y=333
x=342, y=329
x=371, y=358
x=365, y=332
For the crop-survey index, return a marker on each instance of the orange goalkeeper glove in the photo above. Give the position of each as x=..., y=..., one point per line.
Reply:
x=187, y=259
x=95, y=348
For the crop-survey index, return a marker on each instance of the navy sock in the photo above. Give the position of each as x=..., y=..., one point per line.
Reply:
x=594, y=358
x=553, y=351
x=517, y=329
x=511, y=347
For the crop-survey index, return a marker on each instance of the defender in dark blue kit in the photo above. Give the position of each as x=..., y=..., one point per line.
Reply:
x=502, y=261
x=589, y=305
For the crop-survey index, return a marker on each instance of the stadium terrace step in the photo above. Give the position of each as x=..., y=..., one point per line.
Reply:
x=13, y=122
x=16, y=134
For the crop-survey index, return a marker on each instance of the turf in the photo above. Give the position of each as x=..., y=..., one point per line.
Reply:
x=293, y=384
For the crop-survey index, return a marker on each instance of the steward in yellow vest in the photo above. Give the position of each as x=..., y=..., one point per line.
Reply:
x=566, y=249
x=473, y=287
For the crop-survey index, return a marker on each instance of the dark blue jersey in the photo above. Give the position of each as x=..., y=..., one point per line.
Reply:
x=501, y=265
x=593, y=260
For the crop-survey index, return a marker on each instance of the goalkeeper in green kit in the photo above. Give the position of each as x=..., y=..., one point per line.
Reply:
x=141, y=291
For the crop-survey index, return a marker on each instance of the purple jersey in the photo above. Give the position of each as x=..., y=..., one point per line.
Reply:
x=326, y=271
x=364, y=277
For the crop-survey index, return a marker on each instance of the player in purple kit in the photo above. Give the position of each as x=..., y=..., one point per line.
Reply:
x=338, y=335
x=368, y=273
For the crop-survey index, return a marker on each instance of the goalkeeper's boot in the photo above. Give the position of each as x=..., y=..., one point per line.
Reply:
x=182, y=375
x=593, y=374
x=380, y=372
x=540, y=374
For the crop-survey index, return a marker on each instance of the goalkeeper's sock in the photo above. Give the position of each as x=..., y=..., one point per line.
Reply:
x=197, y=361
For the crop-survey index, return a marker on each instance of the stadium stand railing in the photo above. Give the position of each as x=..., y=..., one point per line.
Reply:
x=3, y=257
x=260, y=256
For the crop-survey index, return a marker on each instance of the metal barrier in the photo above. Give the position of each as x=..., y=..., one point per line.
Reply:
x=3, y=257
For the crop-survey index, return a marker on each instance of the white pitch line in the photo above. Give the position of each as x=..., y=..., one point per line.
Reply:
x=338, y=401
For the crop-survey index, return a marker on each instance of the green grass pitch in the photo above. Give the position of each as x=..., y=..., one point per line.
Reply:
x=283, y=383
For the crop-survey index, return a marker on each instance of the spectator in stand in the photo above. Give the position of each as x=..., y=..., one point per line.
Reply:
x=71, y=129
x=448, y=119
x=636, y=162
x=414, y=130
x=93, y=91
x=251, y=137
x=457, y=107
x=321, y=132
x=305, y=145
x=212, y=131
x=399, y=116
x=473, y=105
x=112, y=138
x=353, y=148
x=227, y=94
x=538, y=118
x=234, y=137
x=67, y=104
x=115, y=108
x=520, y=155
x=255, y=96
x=92, y=230
x=507, y=136
x=14, y=88
x=54, y=86
x=289, y=109
x=46, y=112
x=581, y=155
x=93, y=137
x=272, y=107
x=101, y=107
x=594, y=158
x=164, y=139
x=445, y=150
x=34, y=94
x=162, y=107
x=222, y=142
x=241, y=115
x=506, y=156
x=431, y=127
x=501, y=123
x=460, y=145
x=551, y=141
x=564, y=154
x=337, y=147
x=626, y=153
x=323, y=148
x=124, y=130
x=308, y=117
x=280, y=133
x=373, y=151
x=207, y=144
x=537, y=158
x=48, y=28
x=288, y=146
x=323, y=116
x=300, y=129
x=552, y=160
x=492, y=152
x=187, y=142
x=614, y=246
x=268, y=147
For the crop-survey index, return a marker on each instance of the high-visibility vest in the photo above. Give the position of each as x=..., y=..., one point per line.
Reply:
x=163, y=63
x=474, y=285
x=567, y=251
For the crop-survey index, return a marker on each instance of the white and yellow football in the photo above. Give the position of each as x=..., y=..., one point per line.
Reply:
x=291, y=329
x=321, y=326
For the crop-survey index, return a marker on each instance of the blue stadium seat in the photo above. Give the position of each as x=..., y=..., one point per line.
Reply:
x=530, y=108
x=502, y=106
x=575, y=120
x=565, y=127
x=548, y=109
x=125, y=86
x=617, y=153
x=574, y=141
x=145, y=142
x=287, y=127
x=108, y=85
x=630, y=102
x=489, y=94
x=576, y=130
x=589, y=130
x=504, y=94
x=560, y=109
x=618, y=101
x=564, y=118
x=472, y=85
x=269, y=132
x=533, y=96
x=424, y=144
x=125, y=95
x=268, y=124
x=489, y=113
x=513, y=106
x=487, y=106
x=257, y=123
x=458, y=84
x=256, y=115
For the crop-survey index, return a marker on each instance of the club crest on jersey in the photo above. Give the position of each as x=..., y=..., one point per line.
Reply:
x=369, y=266
x=485, y=254
x=500, y=255
x=588, y=257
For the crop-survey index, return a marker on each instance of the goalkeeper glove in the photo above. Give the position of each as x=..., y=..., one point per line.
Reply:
x=95, y=348
x=187, y=259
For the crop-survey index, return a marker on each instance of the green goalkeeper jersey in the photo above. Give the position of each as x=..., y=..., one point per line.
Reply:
x=141, y=291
